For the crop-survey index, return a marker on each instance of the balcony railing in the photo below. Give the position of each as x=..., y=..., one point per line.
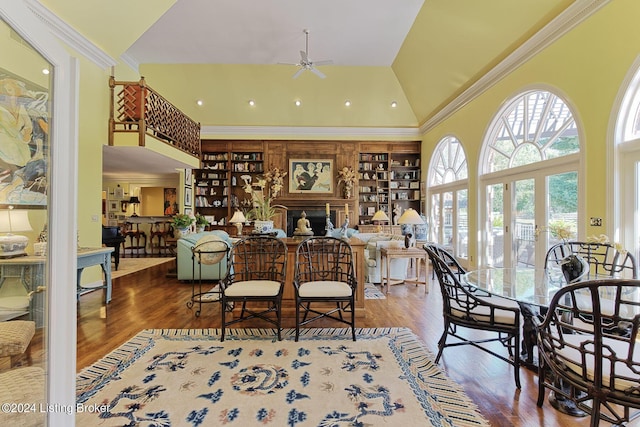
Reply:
x=135, y=107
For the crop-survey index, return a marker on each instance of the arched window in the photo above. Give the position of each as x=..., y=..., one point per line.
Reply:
x=528, y=179
x=448, y=196
x=627, y=164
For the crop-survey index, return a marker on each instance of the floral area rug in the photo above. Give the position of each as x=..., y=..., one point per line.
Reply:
x=187, y=377
x=372, y=291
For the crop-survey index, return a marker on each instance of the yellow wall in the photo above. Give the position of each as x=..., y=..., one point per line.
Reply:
x=587, y=67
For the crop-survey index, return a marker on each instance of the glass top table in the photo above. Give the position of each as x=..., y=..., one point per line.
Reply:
x=529, y=286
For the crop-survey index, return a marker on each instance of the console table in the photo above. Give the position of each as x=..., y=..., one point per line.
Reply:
x=88, y=257
x=414, y=253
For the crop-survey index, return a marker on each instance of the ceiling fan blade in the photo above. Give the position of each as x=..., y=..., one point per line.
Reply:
x=297, y=74
x=317, y=73
x=325, y=62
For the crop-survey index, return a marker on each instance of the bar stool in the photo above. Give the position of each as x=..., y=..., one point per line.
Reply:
x=161, y=230
x=15, y=337
x=133, y=232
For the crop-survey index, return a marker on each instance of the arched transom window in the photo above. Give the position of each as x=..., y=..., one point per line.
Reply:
x=537, y=126
x=449, y=162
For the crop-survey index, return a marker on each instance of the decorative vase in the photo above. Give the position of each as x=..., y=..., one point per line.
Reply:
x=199, y=228
x=263, y=227
x=181, y=232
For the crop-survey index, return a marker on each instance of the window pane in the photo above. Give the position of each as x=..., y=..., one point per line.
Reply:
x=462, y=233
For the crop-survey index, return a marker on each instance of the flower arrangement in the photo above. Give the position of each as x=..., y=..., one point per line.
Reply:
x=181, y=221
x=347, y=177
x=558, y=229
x=263, y=192
x=201, y=221
x=604, y=239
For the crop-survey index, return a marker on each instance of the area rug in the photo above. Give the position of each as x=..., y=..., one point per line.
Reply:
x=371, y=291
x=187, y=377
x=133, y=265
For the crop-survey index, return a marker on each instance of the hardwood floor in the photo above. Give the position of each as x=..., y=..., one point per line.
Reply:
x=148, y=299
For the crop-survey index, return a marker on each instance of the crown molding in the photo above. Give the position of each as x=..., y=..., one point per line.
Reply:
x=559, y=26
x=131, y=62
x=70, y=36
x=310, y=132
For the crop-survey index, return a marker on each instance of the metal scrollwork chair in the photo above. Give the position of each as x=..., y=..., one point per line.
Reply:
x=256, y=273
x=604, y=259
x=588, y=339
x=324, y=273
x=465, y=307
x=208, y=251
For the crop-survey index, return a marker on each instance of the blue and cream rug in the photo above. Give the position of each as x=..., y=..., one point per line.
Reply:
x=187, y=377
x=372, y=291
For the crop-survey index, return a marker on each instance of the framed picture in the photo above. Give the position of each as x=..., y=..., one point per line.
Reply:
x=114, y=205
x=25, y=142
x=118, y=193
x=310, y=176
x=112, y=215
x=187, y=197
x=187, y=211
x=170, y=201
x=188, y=177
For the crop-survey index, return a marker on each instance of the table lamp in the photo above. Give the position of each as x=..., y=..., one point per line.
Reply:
x=379, y=217
x=134, y=200
x=237, y=219
x=410, y=217
x=13, y=245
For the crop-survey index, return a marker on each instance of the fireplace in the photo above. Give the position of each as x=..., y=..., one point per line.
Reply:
x=317, y=218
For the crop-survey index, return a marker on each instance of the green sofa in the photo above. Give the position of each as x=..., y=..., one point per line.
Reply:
x=185, y=258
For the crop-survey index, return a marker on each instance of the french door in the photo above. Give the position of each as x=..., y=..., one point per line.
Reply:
x=519, y=207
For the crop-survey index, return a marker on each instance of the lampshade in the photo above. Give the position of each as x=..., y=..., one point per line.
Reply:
x=134, y=200
x=380, y=216
x=13, y=245
x=237, y=217
x=410, y=216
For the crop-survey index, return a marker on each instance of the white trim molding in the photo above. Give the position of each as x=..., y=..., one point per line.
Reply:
x=579, y=11
x=70, y=36
x=309, y=132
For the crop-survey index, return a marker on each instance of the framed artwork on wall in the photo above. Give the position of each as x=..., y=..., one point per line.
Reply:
x=187, y=197
x=311, y=176
x=170, y=201
x=114, y=205
x=24, y=127
x=188, y=177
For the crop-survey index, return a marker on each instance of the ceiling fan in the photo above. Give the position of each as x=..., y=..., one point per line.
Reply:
x=306, y=64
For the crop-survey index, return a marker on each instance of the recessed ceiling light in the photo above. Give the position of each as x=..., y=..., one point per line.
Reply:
x=298, y=103
x=252, y=102
x=347, y=103
x=200, y=102
x=394, y=104
x=45, y=71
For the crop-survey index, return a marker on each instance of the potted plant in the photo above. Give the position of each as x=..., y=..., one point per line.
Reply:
x=182, y=222
x=263, y=192
x=201, y=223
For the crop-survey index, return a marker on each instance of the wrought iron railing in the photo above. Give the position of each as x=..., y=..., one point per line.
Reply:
x=135, y=107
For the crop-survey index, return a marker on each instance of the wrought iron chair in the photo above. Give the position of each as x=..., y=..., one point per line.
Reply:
x=604, y=259
x=588, y=339
x=324, y=272
x=255, y=273
x=448, y=258
x=209, y=250
x=465, y=307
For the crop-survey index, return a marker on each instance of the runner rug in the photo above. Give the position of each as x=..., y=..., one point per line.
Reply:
x=187, y=377
x=371, y=291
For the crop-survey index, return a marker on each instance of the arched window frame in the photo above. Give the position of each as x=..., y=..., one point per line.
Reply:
x=448, y=174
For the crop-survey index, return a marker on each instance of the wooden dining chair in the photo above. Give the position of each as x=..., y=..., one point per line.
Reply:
x=588, y=339
x=464, y=307
x=255, y=274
